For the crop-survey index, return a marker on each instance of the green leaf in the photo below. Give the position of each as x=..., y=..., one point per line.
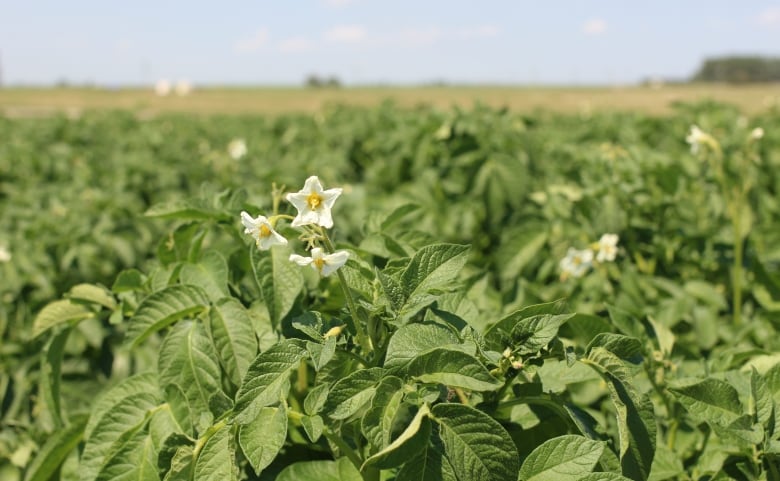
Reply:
x=624, y=347
x=127, y=281
x=59, y=312
x=710, y=400
x=452, y=368
x=348, y=395
x=181, y=465
x=408, y=444
x=267, y=376
x=430, y=465
x=476, y=445
x=432, y=268
x=626, y=322
x=280, y=280
x=216, y=461
x=230, y=328
x=548, y=318
x=666, y=464
x=92, y=293
x=210, y=273
x=313, y=425
x=263, y=437
x=377, y=424
x=57, y=447
x=338, y=470
x=135, y=460
x=187, y=209
x=603, y=477
x=188, y=359
x=51, y=367
x=664, y=336
x=163, y=308
x=762, y=400
x=563, y=458
x=413, y=339
x=520, y=246
x=113, y=430
x=321, y=354
x=110, y=399
x=392, y=289
x=635, y=415
x=316, y=398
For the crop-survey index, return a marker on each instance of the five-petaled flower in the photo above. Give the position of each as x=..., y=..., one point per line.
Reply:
x=576, y=263
x=324, y=264
x=313, y=204
x=607, y=248
x=261, y=231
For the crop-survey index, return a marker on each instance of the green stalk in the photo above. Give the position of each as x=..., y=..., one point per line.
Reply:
x=362, y=338
x=345, y=449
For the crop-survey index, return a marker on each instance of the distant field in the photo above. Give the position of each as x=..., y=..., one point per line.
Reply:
x=22, y=102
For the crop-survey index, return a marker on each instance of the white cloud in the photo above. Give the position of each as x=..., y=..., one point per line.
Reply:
x=594, y=26
x=252, y=43
x=769, y=17
x=338, y=3
x=346, y=34
x=295, y=45
x=480, y=31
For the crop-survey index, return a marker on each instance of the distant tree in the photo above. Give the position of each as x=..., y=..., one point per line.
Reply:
x=315, y=81
x=739, y=70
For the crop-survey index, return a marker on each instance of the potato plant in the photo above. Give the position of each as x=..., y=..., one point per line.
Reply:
x=452, y=306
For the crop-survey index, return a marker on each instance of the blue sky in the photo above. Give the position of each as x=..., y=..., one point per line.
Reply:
x=370, y=41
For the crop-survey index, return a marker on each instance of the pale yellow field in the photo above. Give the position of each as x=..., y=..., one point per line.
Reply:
x=266, y=100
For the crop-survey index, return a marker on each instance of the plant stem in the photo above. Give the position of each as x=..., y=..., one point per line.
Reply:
x=362, y=338
x=736, y=281
x=345, y=449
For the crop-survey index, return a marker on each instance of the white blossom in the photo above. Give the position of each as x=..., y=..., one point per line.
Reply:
x=757, y=133
x=696, y=137
x=313, y=203
x=261, y=231
x=324, y=264
x=576, y=263
x=5, y=254
x=237, y=148
x=607, y=248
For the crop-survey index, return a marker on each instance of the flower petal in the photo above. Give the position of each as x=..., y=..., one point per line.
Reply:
x=248, y=221
x=312, y=184
x=300, y=260
x=329, y=196
x=334, y=261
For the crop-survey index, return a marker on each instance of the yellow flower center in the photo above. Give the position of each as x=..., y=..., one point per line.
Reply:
x=263, y=231
x=319, y=263
x=314, y=200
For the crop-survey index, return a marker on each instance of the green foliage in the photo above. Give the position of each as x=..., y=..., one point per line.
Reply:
x=448, y=346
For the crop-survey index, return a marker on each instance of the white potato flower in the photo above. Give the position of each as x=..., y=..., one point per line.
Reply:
x=237, y=148
x=313, y=203
x=324, y=264
x=261, y=231
x=576, y=263
x=757, y=133
x=696, y=137
x=607, y=248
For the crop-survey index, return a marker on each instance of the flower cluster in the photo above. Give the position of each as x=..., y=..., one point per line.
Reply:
x=314, y=206
x=578, y=261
